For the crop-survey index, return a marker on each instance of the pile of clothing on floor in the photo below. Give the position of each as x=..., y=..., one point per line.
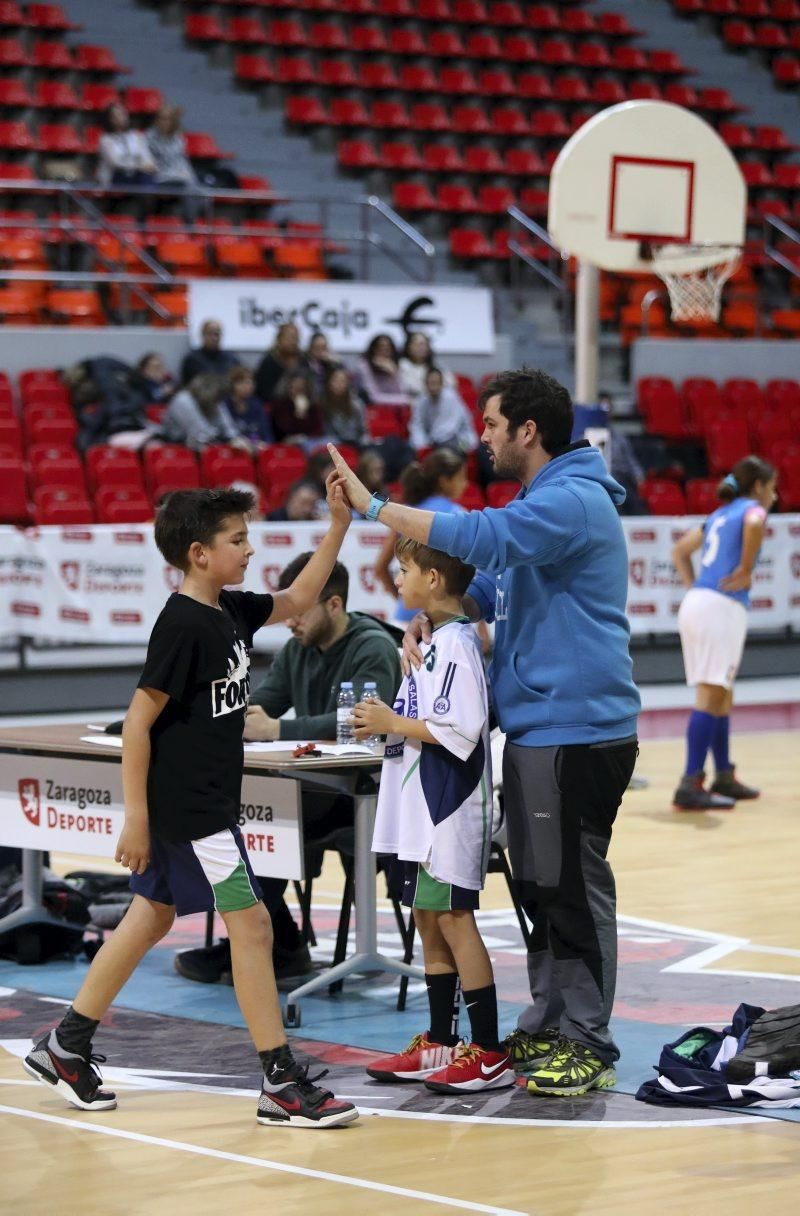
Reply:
x=753, y=1062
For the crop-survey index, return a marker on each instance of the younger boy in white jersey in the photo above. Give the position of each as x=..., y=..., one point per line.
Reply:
x=434, y=814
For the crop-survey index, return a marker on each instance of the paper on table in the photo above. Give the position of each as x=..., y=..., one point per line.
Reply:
x=345, y=749
x=279, y=745
x=103, y=740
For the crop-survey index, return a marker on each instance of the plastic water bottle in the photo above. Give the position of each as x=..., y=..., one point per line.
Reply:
x=371, y=694
x=345, y=705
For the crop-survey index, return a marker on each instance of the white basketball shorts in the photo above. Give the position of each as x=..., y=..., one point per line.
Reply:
x=713, y=628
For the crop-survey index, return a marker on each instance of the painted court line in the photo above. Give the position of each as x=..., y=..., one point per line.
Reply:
x=261, y=1163
x=575, y=1124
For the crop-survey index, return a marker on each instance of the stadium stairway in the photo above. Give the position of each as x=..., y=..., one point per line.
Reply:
x=747, y=79
x=153, y=45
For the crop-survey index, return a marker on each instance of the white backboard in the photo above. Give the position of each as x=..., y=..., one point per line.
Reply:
x=644, y=171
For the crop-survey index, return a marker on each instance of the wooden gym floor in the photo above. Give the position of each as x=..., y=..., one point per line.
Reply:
x=724, y=883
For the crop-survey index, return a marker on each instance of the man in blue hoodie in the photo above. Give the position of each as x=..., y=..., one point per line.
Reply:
x=553, y=576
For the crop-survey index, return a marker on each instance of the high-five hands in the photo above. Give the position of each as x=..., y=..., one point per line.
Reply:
x=353, y=487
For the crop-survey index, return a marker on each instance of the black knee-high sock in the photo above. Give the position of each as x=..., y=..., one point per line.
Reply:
x=75, y=1032
x=443, y=993
x=481, y=1006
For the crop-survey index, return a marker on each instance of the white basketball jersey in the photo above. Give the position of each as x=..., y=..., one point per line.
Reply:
x=435, y=800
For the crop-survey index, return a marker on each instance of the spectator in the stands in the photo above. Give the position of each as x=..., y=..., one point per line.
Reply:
x=440, y=419
x=155, y=378
x=296, y=417
x=197, y=417
x=372, y=470
x=208, y=357
x=320, y=361
x=303, y=503
x=623, y=464
x=167, y=147
x=124, y=158
x=342, y=409
x=283, y=356
x=416, y=361
x=378, y=374
x=248, y=412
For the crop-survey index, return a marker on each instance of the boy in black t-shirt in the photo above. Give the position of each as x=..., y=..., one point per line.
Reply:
x=181, y=774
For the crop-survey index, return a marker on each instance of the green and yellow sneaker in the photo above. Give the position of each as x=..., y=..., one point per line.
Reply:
x=571, y=1069
x=528, y=1051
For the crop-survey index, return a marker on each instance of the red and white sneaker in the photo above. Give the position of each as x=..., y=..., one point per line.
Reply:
x=473, y=1069
x=422, y=1058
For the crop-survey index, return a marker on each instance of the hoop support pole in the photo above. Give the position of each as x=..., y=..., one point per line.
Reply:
x=587, y=331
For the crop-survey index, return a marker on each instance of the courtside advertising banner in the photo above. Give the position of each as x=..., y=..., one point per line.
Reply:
x=106, y=584
x=76, y=806
x=458, y=320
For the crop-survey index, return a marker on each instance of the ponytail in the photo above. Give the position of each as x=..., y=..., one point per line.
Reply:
x=420, y=480
x=743, y=476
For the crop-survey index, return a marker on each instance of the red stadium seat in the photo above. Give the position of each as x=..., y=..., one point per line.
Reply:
x=120, y=505
x=662, y=496
x=498, y=493
x=384, y=421
x=170, y=467
x=701, y=496
x=14, y=507
x=107, y=465
x=278, y=466
x=221, y=465
x=56, y=467
x=726, y=442
x=473, y=499
x=61, y=505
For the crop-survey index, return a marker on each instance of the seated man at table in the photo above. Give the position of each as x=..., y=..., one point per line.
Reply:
x=328, y=645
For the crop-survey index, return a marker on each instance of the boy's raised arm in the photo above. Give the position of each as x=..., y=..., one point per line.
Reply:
x=305, y=590
x=133, y=846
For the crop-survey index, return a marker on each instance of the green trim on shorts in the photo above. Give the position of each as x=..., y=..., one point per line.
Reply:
x=234, y=893
x=430, y=895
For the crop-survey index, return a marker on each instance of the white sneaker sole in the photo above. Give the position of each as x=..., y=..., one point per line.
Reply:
x=67, y=1092
x=503, y=1080
x=377, y=1075
x=337, y=1120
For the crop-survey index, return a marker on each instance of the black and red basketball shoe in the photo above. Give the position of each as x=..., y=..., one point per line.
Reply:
x=290, y=1098
x=74, y=1076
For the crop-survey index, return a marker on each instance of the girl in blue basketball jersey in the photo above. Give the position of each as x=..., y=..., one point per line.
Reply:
x=712, y=621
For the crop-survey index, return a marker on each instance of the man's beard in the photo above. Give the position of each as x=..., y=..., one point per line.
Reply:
x=508, y=466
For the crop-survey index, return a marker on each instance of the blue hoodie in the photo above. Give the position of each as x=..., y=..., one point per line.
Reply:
x=554, y=578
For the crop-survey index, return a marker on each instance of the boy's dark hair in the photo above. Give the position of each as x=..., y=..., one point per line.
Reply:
x=532, y=395
x=338, y=580
x=457, y=575
x=186, y=516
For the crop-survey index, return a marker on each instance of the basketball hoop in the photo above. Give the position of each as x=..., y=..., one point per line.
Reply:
x=694, y=276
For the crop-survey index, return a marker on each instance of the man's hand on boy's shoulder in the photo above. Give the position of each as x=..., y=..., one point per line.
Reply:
x=259, y=726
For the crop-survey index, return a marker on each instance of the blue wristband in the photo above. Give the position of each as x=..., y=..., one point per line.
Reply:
x=376, y=502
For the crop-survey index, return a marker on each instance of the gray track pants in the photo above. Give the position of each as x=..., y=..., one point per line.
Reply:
x=561, y=803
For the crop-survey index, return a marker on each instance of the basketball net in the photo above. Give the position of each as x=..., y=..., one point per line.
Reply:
x=694, y=276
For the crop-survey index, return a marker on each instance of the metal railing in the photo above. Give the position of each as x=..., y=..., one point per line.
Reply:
x=553, y=271
x=772, y=251
x=81, y=220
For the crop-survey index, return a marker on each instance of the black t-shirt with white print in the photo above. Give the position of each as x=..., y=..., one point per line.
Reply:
x=200, y=657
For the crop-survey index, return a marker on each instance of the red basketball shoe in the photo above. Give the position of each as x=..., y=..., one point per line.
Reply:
x=473, y=1069
x=421, y=1059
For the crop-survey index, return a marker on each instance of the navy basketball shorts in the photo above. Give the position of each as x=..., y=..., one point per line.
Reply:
x=207, y=875
x=416, y=888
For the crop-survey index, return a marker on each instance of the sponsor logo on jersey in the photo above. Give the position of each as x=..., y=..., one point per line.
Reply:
x=233, y=692
x=441, y=705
